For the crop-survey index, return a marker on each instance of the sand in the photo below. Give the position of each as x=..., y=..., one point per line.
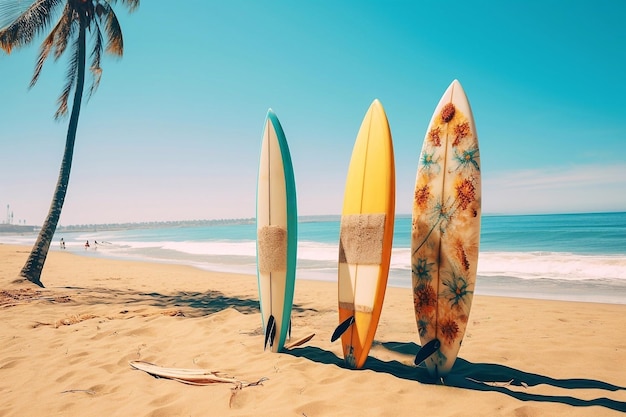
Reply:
x=65, y=350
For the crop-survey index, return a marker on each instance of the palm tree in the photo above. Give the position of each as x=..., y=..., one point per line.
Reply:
x=75, y=19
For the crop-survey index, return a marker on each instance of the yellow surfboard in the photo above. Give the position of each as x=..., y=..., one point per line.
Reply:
x=366, y=236
x=446, y=230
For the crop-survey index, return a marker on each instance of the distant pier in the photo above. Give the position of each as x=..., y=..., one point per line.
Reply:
x=16, y=228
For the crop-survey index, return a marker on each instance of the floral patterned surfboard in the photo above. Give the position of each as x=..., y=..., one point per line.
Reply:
x=446, y=230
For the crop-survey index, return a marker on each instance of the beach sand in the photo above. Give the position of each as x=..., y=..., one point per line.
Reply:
x=65, y=350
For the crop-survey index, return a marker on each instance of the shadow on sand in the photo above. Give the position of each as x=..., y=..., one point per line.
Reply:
x=474, y=376
x=467, y=375
x=194, y=304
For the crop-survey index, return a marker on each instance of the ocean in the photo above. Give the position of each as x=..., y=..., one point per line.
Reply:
x=574, y=257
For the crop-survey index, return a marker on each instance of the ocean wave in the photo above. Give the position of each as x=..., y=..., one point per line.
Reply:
x=320, y=259
x=537, y=265
x=552, y=265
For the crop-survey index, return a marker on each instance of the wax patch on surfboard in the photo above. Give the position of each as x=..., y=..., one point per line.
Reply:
x=361, y=238
x=272, y=246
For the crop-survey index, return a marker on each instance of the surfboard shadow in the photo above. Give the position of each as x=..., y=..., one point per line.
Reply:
x=475, y=376
x=498, y=378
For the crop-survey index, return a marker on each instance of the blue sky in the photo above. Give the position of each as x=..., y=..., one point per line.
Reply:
x=174, y=131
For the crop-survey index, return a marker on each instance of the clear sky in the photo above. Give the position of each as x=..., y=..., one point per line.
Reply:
x=174, y=131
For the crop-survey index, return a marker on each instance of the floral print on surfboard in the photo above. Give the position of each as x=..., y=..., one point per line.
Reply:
x=446, y=228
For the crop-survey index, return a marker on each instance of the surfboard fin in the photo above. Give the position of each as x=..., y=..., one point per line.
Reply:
x=270, y=332
x=341, y=329
x=427, y=350
x=289, y=330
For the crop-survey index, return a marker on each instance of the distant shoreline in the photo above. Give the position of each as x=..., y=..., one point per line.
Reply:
x=95, y=227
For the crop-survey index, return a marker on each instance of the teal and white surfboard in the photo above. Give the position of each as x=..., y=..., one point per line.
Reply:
x=277, y=232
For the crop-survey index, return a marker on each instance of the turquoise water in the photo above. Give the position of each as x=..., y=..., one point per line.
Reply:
x=578, y=257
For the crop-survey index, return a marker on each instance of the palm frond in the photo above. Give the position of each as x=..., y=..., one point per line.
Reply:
x=23, y=29
x=132, y=5
x=96, y=55
x=72, y=73
x=46, y=46
x=66, y=24
x=115, y=45
x=57, y=38
x=97, y=16
x=11, y=10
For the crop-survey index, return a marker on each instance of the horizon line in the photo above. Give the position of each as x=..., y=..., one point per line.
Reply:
x=302, y=218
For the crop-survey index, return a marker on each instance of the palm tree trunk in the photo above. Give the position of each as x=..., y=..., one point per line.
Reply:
x=35, y=262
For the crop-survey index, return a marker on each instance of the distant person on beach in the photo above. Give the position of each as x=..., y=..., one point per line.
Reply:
x=62, y=243
x=95, y=244
x=86, y=245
